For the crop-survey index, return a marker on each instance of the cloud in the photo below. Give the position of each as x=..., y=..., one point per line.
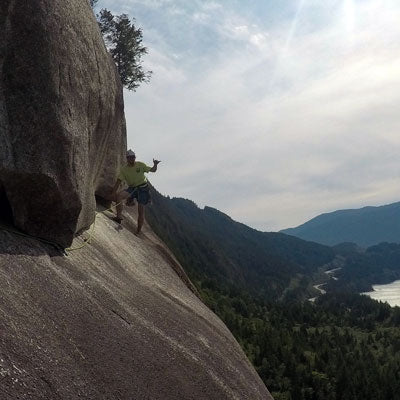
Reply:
x=271, y=122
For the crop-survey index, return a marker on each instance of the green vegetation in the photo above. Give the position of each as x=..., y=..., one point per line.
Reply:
x=208, y=242
x=343, y=347
x=379, y=264
x=125, y=43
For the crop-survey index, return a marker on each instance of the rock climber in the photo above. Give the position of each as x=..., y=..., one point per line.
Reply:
x=132, y=173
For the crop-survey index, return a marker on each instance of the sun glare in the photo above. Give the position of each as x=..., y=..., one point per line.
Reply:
x=289, y=37
x=293, y=26
x=349, y=17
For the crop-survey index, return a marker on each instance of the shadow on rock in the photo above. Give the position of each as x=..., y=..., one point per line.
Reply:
x=16, y=244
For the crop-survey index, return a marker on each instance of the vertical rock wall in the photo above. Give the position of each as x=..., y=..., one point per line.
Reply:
x=62, y=125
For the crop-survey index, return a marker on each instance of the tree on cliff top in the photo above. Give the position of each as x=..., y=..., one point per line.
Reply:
x=125, y=43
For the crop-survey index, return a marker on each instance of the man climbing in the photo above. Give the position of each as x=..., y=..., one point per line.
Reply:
x=138, y=188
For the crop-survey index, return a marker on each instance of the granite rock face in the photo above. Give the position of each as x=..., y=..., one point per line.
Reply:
x=117, y=319
x=62, y=124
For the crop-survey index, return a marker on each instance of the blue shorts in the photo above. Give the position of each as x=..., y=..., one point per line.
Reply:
x=140, y=193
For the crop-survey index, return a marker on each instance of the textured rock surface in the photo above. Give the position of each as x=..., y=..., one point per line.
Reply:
x=62, y=126
x=111, y=321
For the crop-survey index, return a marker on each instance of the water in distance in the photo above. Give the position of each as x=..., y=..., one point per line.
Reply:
x=389, y=293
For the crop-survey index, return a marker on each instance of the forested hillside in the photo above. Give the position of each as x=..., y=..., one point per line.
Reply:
x=208, y=242
x=378, y=264
x=343, y=347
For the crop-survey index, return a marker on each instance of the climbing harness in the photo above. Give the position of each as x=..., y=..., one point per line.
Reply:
x=136, y=192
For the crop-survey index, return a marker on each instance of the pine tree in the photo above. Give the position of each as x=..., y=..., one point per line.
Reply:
x=125, y=43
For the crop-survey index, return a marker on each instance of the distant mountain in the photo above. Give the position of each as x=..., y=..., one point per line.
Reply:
x=365, y=226
x=210, y=245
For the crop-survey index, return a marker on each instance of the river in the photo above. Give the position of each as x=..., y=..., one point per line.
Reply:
x=389, y=293
x=318, y=287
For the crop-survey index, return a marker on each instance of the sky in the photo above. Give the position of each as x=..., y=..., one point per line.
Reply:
x=271, y=111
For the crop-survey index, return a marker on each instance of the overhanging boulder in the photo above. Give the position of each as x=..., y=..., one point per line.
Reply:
x=62, y=125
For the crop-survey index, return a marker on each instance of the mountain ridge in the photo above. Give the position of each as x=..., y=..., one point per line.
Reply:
x=364, y=226
x=230, y=251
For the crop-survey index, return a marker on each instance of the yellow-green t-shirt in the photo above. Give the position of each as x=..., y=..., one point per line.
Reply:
x=134, y=176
